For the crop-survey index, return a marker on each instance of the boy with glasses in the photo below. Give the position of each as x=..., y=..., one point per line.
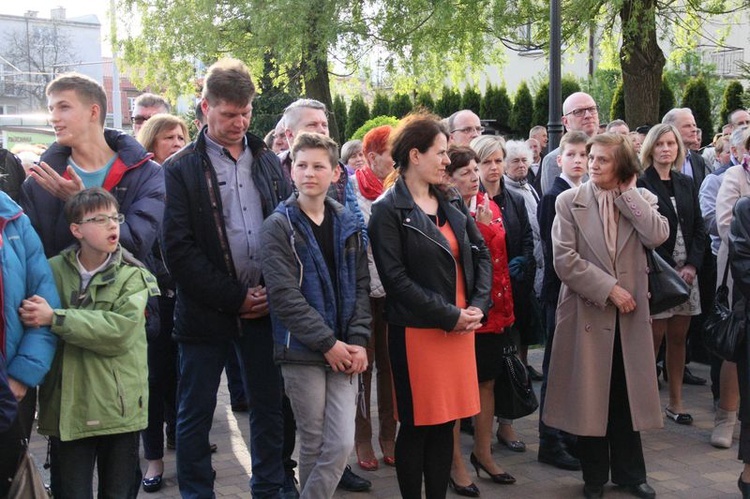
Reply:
x=93, y=403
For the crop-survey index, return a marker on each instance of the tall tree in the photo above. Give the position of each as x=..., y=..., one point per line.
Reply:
x=617, y=109
x=666, y=101
x=401, y=106
x=471, y=99
x=522, y=114
x=731, y=100
x=339, y=114
x=358, y=114
x=448, y=103
x=424, y=101
x=698, y=100
x=381, y=105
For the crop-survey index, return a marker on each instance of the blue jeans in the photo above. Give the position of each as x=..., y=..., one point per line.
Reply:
x=200, y=372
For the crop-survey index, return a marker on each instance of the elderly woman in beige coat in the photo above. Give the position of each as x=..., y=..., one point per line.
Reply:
x=602, y=382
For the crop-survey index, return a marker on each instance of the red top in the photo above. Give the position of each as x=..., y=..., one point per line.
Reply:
x=500, y=314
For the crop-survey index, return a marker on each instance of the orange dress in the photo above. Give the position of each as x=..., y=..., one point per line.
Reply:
x=435, y=373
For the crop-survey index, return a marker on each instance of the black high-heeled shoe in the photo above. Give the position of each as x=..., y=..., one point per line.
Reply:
x=470, y=490
x=501, y=478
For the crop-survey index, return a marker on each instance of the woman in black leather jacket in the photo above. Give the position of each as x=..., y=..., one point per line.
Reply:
x=437, y=275
x=739, y=258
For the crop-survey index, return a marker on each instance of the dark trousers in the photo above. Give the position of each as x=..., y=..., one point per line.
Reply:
x=424, y=451
x=550, y=439
x=162, y=384
x=234, y=380
x=743, y=378
x=116, y=460
x=620, y=450
x=11, y=445
x=201, y=365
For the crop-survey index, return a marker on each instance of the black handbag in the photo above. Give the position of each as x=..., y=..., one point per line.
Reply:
x=514, y=395
x=724, y=328
x=665, y=286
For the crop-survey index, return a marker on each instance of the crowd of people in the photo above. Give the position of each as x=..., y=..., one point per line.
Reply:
x=135, y=270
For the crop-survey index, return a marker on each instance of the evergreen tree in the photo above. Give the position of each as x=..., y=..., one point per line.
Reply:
x=448, y=103
x=339, y=114
x=401, y=106
x=425, y=101
x=503, y=109
x=471, y=100
x=569, y=85
x=666, y=100
x=617, y=110
x=522, y=114
x=731, y=101
x=358, y=114
x=541, y=105
x=698, y=99
x=381, y=106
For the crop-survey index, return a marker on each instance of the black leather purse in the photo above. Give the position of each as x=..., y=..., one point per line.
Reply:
x=514, y=395
x=724, y=328
x=665, y=286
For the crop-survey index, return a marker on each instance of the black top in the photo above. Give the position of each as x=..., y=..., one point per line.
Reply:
x=324, y=236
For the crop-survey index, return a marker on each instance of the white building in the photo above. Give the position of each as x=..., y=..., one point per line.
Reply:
x=34, y=49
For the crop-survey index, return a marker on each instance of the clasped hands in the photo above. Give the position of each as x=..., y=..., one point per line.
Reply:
x=346, y=358
x=469, y=320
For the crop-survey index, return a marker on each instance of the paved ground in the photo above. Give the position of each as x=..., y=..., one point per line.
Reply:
x=679, y=459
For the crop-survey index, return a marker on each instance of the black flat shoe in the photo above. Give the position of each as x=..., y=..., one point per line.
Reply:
x=744, y=488
x=514, y=445
x=501, y=478
x=642, y=490
x=352, y=482
x=470, y=490
x=678, y=417
x=688, y=378
x=593, y=491
x=152, y=484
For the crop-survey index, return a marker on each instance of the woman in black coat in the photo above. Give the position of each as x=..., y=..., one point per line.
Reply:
x=739, y=257
x=662, y=156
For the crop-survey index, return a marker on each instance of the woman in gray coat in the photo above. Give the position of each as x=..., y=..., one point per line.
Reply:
x=602, y=384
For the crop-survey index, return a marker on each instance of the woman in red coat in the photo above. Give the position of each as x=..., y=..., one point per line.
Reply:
x=463, y=173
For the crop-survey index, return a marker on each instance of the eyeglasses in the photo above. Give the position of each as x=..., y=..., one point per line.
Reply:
x=139, y=120
x=580, y=113
x=104, y=219
x=469, y=129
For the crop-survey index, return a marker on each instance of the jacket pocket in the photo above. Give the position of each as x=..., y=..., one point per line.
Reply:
x=120, y=392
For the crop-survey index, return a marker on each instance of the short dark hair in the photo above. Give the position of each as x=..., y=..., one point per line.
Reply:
x=228, y=80
x=87, y=201
x=626, y=160
x=311, y=140
x=460, y=156
x=86, y=88
x=416, y=131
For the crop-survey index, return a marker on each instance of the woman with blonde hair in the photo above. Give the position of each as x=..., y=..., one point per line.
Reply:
x=163, y=135
x=662, y=156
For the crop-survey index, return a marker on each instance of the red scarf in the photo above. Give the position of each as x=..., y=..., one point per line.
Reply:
x=369, y=184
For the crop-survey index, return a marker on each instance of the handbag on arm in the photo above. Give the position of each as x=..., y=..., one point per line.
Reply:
x=724, y=328
x=665, y=286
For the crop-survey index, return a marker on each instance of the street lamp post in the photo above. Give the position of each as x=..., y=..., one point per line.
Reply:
x=554, y=126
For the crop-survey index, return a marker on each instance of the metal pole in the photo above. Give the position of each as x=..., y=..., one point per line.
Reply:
x=116, y=99
x=554, y=126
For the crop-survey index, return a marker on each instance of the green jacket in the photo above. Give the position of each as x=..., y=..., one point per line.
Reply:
x=98, y=382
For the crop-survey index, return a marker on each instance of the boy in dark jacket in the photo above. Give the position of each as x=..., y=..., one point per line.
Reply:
x=316, y=274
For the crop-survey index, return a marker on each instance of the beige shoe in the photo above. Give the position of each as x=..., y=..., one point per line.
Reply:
x=724, y=423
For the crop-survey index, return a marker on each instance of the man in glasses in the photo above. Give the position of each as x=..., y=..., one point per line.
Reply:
x=580, y=114
x=144, y=107
x=464, y=126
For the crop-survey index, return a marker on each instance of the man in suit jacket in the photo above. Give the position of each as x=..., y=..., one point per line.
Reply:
x=694, y=166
